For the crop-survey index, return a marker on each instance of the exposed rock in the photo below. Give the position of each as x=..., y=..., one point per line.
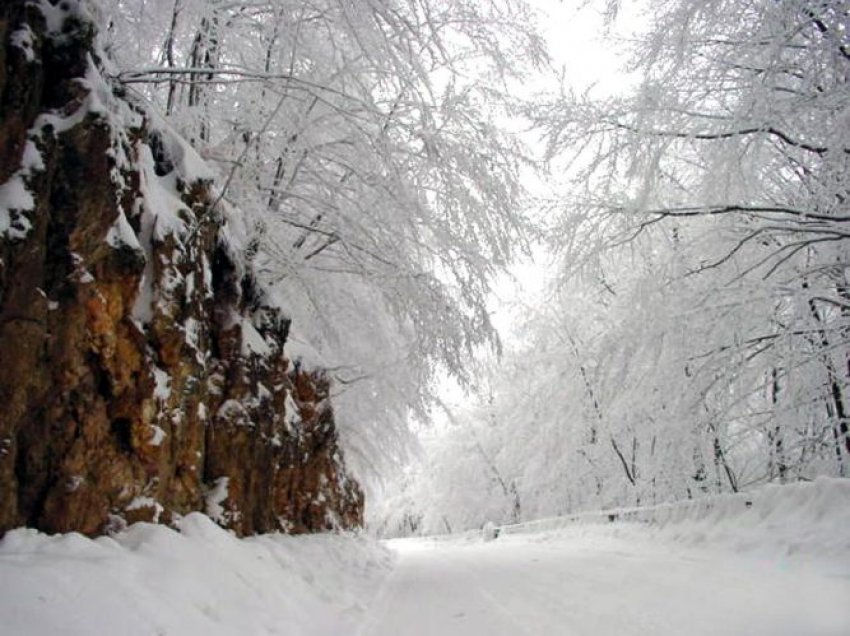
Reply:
x=142, y=370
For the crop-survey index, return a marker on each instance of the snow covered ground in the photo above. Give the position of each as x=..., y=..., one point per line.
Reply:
x=779, y=565
x=772, y=562
x=589, y=582
x=150, y=580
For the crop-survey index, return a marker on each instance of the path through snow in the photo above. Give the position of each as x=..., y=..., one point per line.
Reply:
x=595, y=583
x=773, y=562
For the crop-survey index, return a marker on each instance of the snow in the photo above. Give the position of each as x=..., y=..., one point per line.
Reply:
x=121, y=233
x=778, y=567
x=23, y=39
x=805, y=518
x=207, y=275
x=158, y=435
x=215, y=497
x=31, y=161
x=146, y=502
x=590, y=583
x=101, y=101
x=291, y=414
x=189, y=164
x=252, y=340
x=163, y=207
x=143, y=306
x=162, y=384
x=201, y=580
x=14, y=199
x=302, y=352
x=56, y=13
x=725, y=569
x=192, y=330
x=235, y=412
x=263, y=392
x=58, y=123
x=489, y=532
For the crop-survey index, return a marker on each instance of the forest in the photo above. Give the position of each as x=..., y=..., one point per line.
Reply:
x=390, y=159
x=425, y=317
x=564, y=295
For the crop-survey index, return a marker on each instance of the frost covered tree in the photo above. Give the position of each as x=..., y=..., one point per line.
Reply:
x=697, y=338
x=723, y=179
x=359, y=141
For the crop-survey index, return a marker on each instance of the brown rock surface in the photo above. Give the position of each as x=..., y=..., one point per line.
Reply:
x=142, y=375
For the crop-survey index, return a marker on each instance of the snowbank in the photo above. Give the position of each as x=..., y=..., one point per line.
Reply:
x=150, y=579
x=807, y=519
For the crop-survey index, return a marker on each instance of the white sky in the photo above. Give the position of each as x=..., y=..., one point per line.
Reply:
x=579, y=42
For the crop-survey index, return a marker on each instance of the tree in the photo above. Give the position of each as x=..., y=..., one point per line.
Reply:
x=695, y=339
x=725, y=175
x=359, y=142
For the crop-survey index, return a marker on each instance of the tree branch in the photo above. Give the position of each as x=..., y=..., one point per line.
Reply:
x=767, y=130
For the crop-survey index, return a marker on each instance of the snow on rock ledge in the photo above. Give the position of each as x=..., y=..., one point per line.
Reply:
x=128, y=319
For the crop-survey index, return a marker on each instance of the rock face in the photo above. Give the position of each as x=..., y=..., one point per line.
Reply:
x=142, y=368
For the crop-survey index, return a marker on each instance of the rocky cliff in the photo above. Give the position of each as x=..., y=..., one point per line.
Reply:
x=142, y=368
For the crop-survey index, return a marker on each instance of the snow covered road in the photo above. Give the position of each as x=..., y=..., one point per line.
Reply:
x=596, y=584
x=772, y=562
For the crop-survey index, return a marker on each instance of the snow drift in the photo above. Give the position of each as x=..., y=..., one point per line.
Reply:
x=807, y=519
x=151, y=579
